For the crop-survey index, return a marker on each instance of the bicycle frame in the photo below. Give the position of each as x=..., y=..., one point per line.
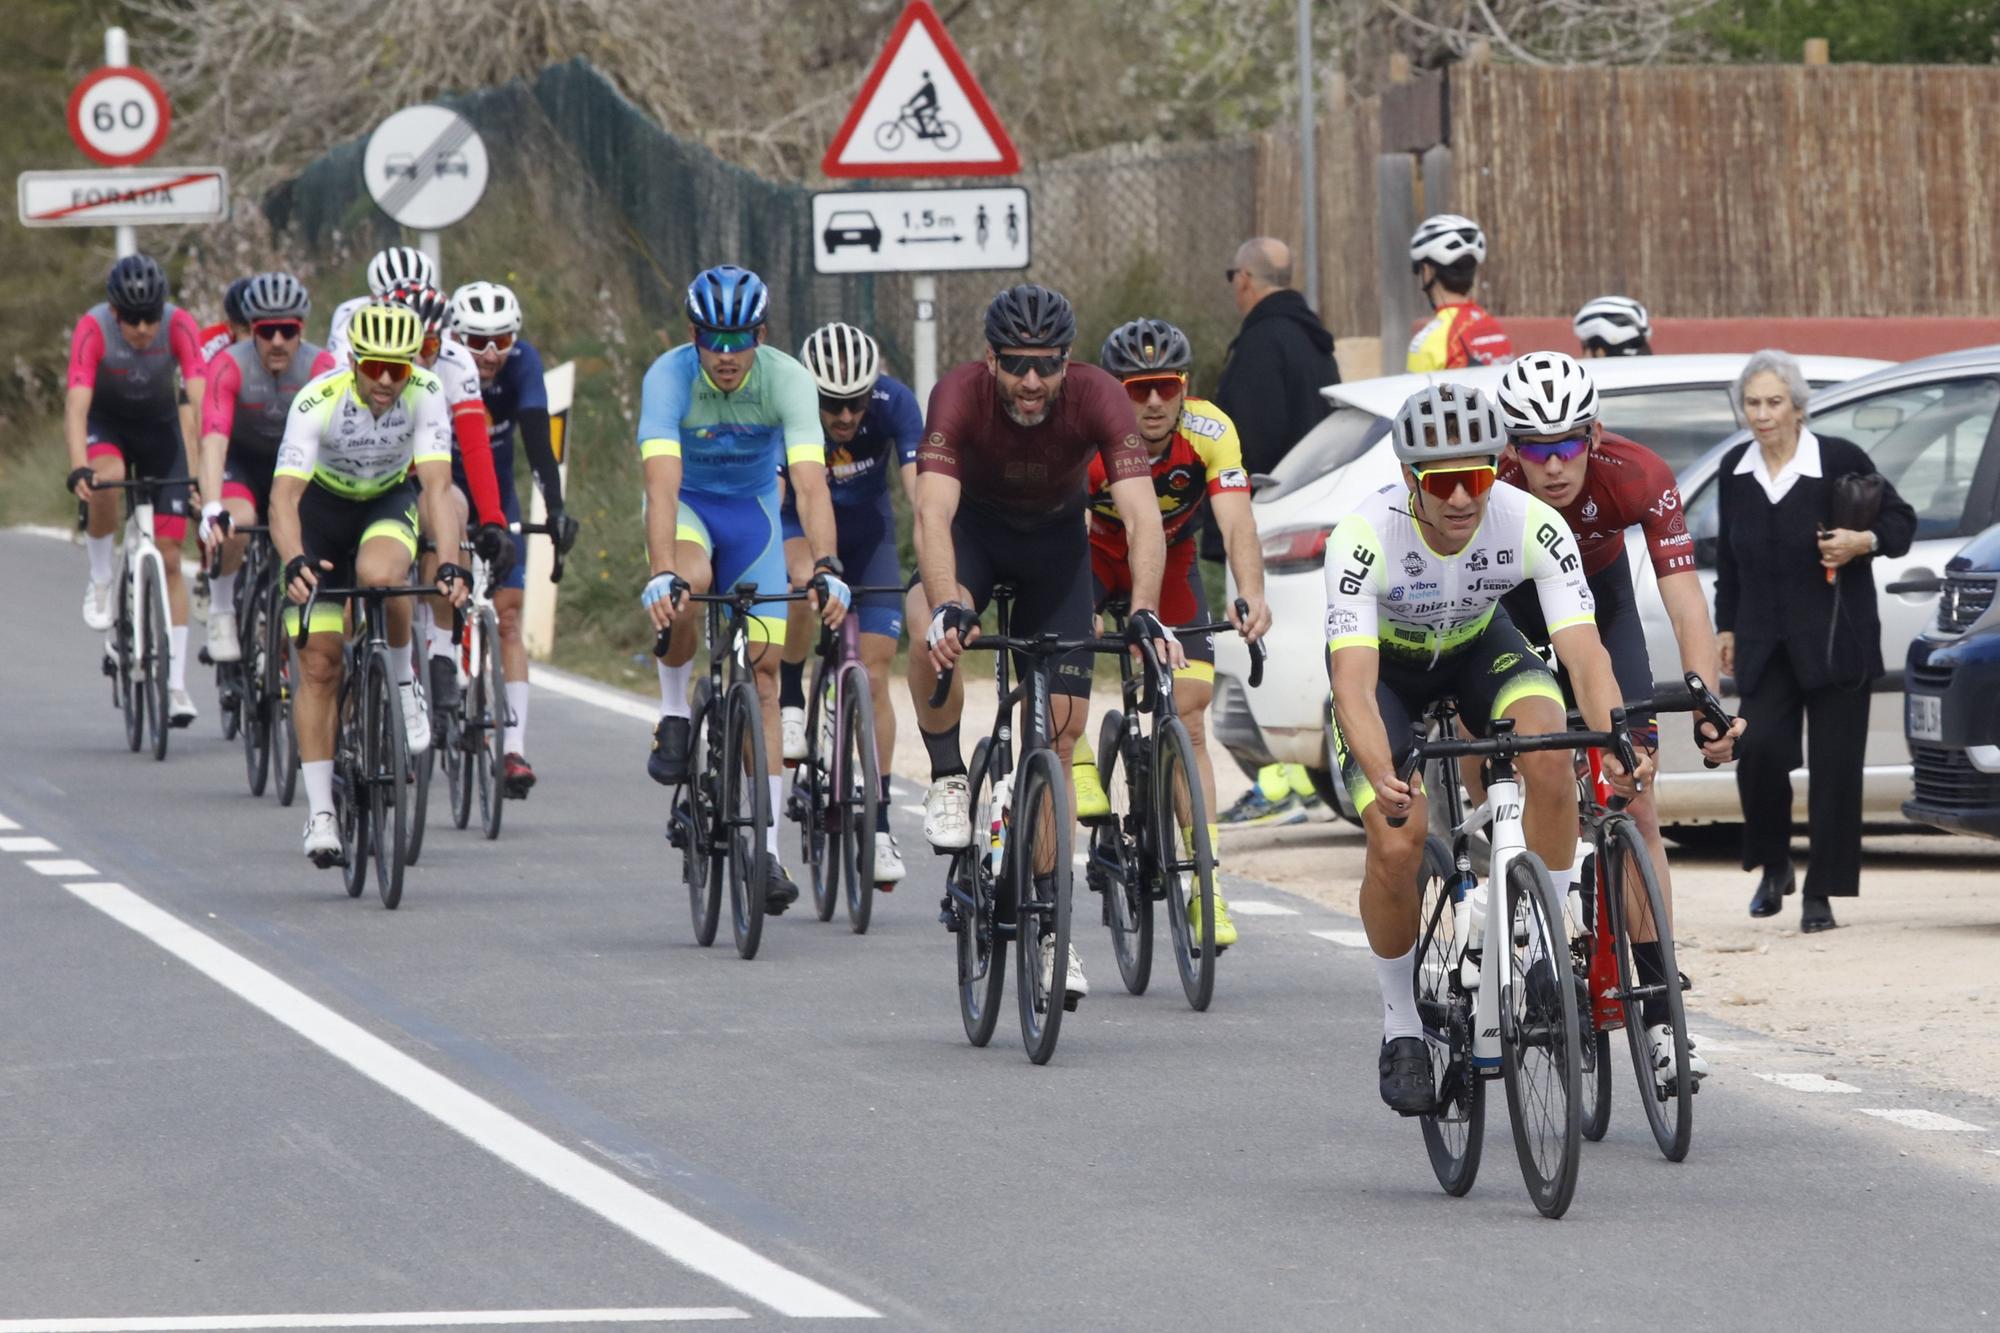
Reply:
x=137, y=554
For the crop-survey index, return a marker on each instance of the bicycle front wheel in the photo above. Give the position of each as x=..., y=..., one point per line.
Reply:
x=982, y=948
x=858, y=800
x=254, y=698
x=702, y=849
x=1595, y=1080
x=1455, y=1131
x=1540, y=1053
x=1114, y=867
x=1185, y=858
x=819, y=834
x=127, y=684
x=157, y=656
x=350, y=784
x=490, y=760
x=284, y=733
x=746, y=812
x=386, y=760
x=1038, y=864
x=1638, y=910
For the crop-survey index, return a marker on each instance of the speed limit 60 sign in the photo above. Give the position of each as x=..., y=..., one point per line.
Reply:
x=119, y=115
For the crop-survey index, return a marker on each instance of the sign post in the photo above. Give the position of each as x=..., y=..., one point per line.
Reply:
x=538, y=607
x=425, y=167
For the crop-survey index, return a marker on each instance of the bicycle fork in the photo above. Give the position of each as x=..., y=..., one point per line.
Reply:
x=1496, y=970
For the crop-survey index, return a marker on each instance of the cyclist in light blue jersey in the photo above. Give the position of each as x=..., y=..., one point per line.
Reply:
x=717, y=416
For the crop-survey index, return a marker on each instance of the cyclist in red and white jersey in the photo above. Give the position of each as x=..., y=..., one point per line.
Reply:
x=388, y=270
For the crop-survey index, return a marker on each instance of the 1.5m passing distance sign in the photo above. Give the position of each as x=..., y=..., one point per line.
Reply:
x=920, y=231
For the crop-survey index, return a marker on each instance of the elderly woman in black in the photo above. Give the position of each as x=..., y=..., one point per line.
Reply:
x=1795, y=611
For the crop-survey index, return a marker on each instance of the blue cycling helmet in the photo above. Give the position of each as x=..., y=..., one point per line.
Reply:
x=727, y=298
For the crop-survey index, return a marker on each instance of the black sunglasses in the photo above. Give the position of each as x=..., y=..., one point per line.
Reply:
x=1018, y=364
x=1229, y=274
x=834, y=407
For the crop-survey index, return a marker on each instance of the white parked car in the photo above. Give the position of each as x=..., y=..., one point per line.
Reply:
x=1676, y=405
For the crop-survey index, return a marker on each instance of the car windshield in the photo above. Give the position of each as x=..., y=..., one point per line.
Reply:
x=1335, y=442
x=853, y=221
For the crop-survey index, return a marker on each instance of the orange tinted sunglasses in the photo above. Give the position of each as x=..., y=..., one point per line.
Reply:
x=1443, y=482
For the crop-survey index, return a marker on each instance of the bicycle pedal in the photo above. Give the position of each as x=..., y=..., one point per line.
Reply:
x=110, y=667
x=885, y=886
x=204, y=658
x=1070, y=1001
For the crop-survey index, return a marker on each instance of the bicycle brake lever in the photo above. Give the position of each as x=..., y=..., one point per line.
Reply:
x=943, y=690
x=1712, y=712
x=1408, y=768
x=1256, y=647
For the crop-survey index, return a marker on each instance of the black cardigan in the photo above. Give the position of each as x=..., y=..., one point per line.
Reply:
x=1771, y=590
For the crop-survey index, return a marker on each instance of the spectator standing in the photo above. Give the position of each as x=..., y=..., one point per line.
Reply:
x=1445, y=254
x=1270, y=387
x=1795, y=607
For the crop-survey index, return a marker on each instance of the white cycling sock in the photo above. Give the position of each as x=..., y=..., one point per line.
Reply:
x=517, y=704
x=222, y=593
x=438, y=638
x=177, y=669
x=101, y=551
x=400, y=669
x=1396, y=977
x=674, y=689
x=777, y=815
x=318, y=774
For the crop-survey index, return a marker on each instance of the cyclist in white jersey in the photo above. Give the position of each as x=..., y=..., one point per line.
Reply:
x=1414, y=579
x=388, y=270
x=344, y=509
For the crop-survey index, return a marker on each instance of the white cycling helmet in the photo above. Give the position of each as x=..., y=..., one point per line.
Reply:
x=1445, y=239
x=485, y=308
x=1617, y=324
x=1446, y=421
x=398, y=264
x=1546, y=393
x=844, y=361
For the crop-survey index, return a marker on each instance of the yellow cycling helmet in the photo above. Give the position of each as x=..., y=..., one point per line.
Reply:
x=386, y=332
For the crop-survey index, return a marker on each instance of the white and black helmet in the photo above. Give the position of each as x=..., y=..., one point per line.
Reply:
x=275, y=296
x=1615, y=324
x=398, y=264
x=844, y=361
x=1445, y=239
x=1547, y=393
x=485, y=308
x=1445, y=421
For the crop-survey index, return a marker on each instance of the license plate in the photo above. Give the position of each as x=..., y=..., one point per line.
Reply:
x=1924, y=718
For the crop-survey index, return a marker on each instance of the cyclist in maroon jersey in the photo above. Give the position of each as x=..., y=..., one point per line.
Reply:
x=1002, y=477
x=1603, y=484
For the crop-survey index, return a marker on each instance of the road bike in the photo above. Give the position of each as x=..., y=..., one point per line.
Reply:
x=1621, y=904
x=372, y=774
x=720, y=814
x=836, y=789
x=1154, y=846
x=255, y=690
x=137, y=656
x=1013, y=880
x=1510, y=1010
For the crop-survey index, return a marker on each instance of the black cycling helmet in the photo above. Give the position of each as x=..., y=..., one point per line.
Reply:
x=136, y=286
x=232, y=300
x=1145, y=345
x=1030, y=315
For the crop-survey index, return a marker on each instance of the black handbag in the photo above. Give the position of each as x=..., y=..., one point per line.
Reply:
x=1854, y=502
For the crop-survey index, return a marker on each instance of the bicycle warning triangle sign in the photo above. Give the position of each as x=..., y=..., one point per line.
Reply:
x=921, y=113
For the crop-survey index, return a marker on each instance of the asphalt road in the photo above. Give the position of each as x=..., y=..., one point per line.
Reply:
x=528, y=1097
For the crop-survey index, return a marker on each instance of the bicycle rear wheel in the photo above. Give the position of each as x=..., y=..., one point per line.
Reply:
x=350, y=784
x=421, y=768
x=1540, y=1054
x=127, y=684
x=387, y=760
x=858, y=800
x=458, y=750
x=1185, y=858
x=1454, y=1132
x=255, y=694
x=157, y=658
x=490, y=759
x=981, y=944
x=1595, y=1081
x=1043, y=828
x=1638, y=908
x=702, y=851
x=1114, y=864
x=746, y=809
x=813, y=782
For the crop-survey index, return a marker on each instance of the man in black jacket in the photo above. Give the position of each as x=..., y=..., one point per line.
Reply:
x=1281, y=359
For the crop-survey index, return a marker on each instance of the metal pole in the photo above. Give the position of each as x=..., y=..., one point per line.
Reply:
x=118, y=52
x=1308, y=157
x=923, y=337
x=427, y=241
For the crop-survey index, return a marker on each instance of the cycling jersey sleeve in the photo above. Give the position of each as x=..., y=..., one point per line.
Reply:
x=298, y=452
x=1115, y=427
x=906, y=422
x=86, y=351
x=531, y=388
x=322, y=363
x=798, y=410
x=944, y=426
x=1550, y=559
x=430, y=437
x=1223, y=454
x=1354, y=585
x=184, y=338
x=218, y=401
x=1668, y=541
x=1429, y=350
x=663, y=405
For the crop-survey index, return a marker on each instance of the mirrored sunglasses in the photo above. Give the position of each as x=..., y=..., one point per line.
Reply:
x=725, y=340
x=380, y=368
x=1443, y=482
x=1142, y=387
x=479, y=342
x=1543, y=451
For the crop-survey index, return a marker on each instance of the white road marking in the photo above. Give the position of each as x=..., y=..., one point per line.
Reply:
x=400, y=1319
x=1911, y=1118
x=6, y=823
x=1351, y=939
x=1257, y=907
x=652, y=1221
x=27, y=845
x=584, y=691
x=1806, y=1082
x=60, y=869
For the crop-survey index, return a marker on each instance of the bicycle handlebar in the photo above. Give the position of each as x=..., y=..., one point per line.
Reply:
x=1505, y=742
x=743, y=596
x=368, y=593
x=236, y=530
x=560, y=541
x=1047, y=645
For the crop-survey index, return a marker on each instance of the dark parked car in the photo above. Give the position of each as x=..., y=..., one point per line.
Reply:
x=1952, y=696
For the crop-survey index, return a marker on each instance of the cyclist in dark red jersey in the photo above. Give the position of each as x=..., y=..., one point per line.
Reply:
x=1002, y=477
x=1603, y=484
